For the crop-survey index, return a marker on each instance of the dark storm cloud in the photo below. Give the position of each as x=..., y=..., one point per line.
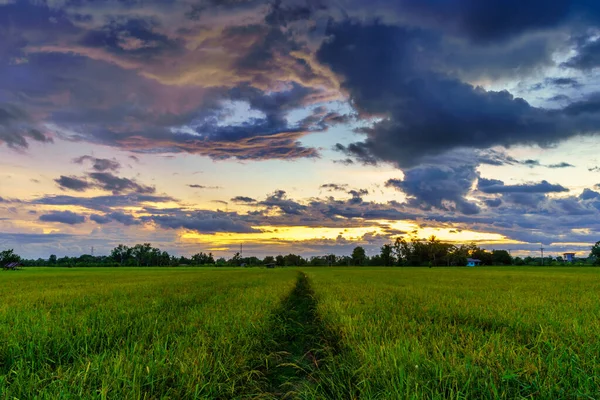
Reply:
x=425, y=112
x=243, y=199
x=587, y=58
x=99, y=164
x=441, y=186
x=73, y=183
x=17, y=128
x=495, y=20
x=136, y=99
x=63, y=217
x=496, y=186
x=132, y=38
x=101, y=113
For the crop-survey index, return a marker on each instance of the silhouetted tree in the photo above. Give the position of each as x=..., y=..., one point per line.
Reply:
x=387, y=255
x=359, y=256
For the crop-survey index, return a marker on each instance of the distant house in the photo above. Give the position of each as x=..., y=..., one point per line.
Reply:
x=472, y=262
x=12, y=266
x=569, y=257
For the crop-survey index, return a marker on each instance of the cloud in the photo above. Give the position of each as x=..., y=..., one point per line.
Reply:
x=117, y=185
x=243, y=199
x=17, y=128
x=357, y=196
x=587, y=57
x=438, y=186
x=496, y=186
x=140, y=100
x=73, y=183
x=100, y=219
x=202, y=222
x=570, y=82
x=334, y=187
x=562, y=164
x=99, y=164
x=424, y=112
x=63, y=217
x=279, y=200
x=204, y=187
x=104, y=181
x=102, y=203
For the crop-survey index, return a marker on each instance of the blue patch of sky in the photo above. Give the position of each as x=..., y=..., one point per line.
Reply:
x=235, y=113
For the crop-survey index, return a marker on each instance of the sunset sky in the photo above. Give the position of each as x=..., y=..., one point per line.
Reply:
x=298, y=126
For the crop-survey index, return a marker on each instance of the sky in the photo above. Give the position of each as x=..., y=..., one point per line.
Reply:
x=298, y=126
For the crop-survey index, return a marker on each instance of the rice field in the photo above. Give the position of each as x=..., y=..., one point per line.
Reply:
x=314, y=333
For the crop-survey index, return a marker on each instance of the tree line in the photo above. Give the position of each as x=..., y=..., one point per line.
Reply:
x=415, y=252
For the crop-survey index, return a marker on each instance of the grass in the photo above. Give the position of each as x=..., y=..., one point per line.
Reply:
x=147, y=333
x=318, y=333
x=465, y=333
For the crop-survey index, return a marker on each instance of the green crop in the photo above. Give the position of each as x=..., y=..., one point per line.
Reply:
x=314, y=333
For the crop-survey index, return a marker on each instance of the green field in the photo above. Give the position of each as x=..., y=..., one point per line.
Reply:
x=370, y=333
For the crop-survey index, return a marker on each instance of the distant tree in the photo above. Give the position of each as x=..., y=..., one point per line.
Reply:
x=120, y=254
x=141, y=253
x=387, y=255
x=8, y=256
x=236, y=259
x=269, y=260
x=501, y=257
x=293, y=260
x=595, y=253
x=280, y=261
x=376, y=261
x=359, y=256
x=531, y=261
x=52, y=259
x=457, y=255
x=403, y=251
x=519, y=261
x=484, y=256
x=221, y=262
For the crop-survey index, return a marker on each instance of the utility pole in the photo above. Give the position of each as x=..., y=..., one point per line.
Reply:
x=542, y=250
